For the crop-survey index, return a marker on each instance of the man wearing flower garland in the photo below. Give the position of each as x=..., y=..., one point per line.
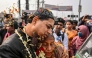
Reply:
x=19, y=44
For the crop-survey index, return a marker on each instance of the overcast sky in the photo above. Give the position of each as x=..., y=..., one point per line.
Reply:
x=86, y=6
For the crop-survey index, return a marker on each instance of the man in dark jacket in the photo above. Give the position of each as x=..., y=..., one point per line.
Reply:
x=8, y=30
x=19, y=44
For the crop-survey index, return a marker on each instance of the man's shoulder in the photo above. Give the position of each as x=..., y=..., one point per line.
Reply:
x=11, y=38
x=12, y=41
x=8, y=51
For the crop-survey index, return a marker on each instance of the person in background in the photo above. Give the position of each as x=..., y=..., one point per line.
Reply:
x=75, y=24
x=3, y=31
x=77, y=41
x=21, y=24
x=83, y=20
x=59, y=35
x=69, y=31
x=86, y=20
x=25, y=17
x=49, y=49
x=7, y=18
x=8, y=29
x=11, y=26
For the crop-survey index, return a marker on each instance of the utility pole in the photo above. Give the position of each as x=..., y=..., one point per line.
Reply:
x=27, y=4
x=19, y=6
x=37, y=4
x=43, y=3
x=80, y=7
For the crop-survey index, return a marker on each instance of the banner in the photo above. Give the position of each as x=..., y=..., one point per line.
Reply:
x=58, y=8
x=29, y=11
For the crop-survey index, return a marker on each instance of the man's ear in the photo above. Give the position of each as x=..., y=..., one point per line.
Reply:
x=35, y=19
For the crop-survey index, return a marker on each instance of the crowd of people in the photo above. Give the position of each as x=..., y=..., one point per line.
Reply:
x=40, y=36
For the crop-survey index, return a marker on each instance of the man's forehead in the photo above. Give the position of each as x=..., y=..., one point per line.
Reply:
x=49, y=21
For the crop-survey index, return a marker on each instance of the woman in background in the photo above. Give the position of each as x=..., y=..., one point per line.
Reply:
x=83, y=33
x=69, y=31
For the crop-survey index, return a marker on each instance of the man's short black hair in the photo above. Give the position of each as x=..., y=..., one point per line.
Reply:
x=61, y=20
x=75, y=21
x=44, y=14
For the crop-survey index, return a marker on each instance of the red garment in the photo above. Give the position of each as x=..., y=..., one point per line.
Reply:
x=23, y=24
x=40, y=49
x=6, y=35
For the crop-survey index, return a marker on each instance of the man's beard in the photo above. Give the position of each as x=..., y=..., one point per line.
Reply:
x=34, y=38
x=37, y=39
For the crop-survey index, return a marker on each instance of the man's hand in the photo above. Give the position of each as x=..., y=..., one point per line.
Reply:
x=85, y=18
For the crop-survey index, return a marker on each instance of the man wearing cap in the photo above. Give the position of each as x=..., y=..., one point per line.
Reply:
x=17, y=45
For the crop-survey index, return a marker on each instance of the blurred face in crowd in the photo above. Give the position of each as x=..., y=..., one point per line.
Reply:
x=42, y=28
x=6, y=20
x=10, y=16
x=68, y=25
x=60, y=25
x=9, y=28
x=74, y=25
x=48, y=46
x=83, y=31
